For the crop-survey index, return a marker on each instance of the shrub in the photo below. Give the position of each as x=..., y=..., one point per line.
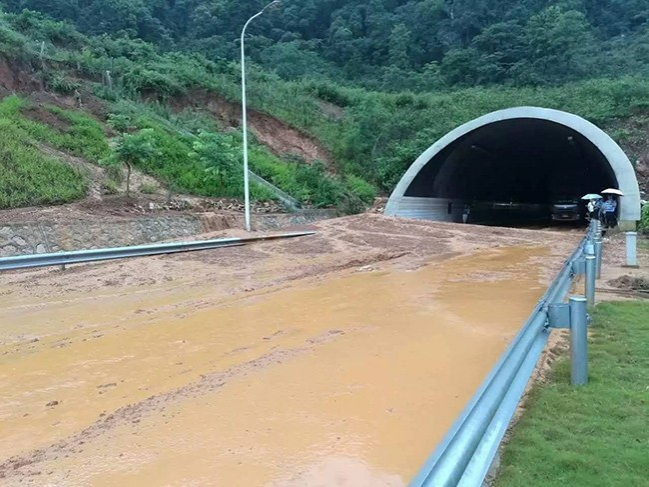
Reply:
x=120, y=122
x=644, y=222
x=361, y=188
x=110, y=186
x=147, y=188
x=131, y=150
x=218, y=154
x=14, y=44
x=62, y=84
x=329, y=92
x=142, y=81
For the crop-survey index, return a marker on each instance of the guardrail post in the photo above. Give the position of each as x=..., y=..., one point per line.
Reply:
x=632, y=249
x=589, y=246
x=599, y=251
x=591, y=272
x=578, y=341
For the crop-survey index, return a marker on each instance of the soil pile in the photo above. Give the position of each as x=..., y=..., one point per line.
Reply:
x=629, y=283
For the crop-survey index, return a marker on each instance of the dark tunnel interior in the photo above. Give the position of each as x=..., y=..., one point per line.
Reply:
x=521, y=161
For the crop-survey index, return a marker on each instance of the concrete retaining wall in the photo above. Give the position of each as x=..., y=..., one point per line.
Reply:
x=43, y=236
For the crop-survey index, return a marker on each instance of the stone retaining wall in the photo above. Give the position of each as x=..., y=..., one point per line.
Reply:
x=43, y=236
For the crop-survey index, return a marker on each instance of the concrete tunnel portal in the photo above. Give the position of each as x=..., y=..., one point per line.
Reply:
x=523, y=158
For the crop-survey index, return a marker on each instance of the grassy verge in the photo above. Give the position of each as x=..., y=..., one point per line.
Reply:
x=597, y=435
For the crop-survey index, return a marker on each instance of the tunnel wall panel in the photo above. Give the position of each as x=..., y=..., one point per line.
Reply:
x=436, y=209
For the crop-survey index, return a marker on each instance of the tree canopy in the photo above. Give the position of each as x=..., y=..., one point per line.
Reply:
x=390, y=44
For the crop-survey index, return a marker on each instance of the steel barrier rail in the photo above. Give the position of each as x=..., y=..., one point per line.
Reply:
x=96, y=255
x=466, y=453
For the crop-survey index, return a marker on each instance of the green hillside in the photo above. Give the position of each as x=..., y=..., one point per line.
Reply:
x=389, y=44
x=146, y=79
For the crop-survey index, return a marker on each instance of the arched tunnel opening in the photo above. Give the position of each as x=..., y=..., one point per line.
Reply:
x=515, y=170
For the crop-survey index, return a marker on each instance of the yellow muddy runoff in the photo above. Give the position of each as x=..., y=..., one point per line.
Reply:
x=349, y=381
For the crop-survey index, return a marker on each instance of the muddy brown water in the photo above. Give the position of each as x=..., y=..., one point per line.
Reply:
x=350, y=381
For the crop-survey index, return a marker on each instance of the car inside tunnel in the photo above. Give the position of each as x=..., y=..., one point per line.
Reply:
x=514, y=169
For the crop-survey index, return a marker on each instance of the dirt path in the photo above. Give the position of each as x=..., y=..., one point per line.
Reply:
x=334, y=360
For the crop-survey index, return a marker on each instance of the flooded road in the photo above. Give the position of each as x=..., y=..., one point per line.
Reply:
x=346, y=381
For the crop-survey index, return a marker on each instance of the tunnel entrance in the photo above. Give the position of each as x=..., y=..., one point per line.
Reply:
x=514, y=165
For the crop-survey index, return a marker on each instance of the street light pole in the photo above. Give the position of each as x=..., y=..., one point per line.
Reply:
x=246, y=178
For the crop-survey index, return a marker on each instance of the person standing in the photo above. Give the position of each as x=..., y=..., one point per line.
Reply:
x=609, y=208
x=593, y=210
x=466, y=213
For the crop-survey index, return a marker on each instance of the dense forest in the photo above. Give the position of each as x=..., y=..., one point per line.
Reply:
x=389, y=45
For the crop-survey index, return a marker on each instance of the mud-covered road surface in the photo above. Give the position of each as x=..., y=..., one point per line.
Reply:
x=333, y=360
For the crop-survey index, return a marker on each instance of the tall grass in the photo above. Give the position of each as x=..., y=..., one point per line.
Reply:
x=27, y=177
x=82, y=136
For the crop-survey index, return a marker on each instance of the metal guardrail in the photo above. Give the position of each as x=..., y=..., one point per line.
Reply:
x=288, y=201
x=96, y=255
x=465, y=455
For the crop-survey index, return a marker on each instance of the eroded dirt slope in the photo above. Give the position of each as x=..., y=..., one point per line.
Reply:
x=278, y=136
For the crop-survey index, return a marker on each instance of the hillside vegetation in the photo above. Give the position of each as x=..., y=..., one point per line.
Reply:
x=390, y=44
x=372, y=136
x=26, y=175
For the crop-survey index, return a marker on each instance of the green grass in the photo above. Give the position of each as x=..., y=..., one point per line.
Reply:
x=644, y=222
x=27, y=177
x=177, y=169
x=82, y=136
x=597, y=435
x=307, y=183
